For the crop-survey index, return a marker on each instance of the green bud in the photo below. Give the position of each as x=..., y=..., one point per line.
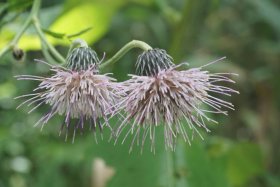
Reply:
x=81, y=58
x=150, y=62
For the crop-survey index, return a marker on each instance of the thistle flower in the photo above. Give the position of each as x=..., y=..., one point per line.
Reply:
x=162, y=95
x=77, y=92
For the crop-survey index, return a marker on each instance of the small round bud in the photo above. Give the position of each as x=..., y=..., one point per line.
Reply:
x=18, y=54
x=150, y=62
x=81, y=58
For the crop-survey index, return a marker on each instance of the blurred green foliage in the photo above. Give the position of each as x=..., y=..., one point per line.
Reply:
x=242, y=151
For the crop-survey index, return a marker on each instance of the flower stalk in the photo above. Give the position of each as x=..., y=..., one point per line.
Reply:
x=133, y=44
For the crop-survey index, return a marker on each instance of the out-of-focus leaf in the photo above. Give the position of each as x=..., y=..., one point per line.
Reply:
x=11, y=10
x=272, y=180
x=202, y=170
x=268, y=11
x=7, y=90
x=72, y=3
x=11, y=19
x=128, y=167
x=3, y=8
x=19, y=5
x=245, y=162
x=172, y=15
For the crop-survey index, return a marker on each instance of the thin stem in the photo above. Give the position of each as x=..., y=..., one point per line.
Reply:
x=170, y=169
x=133, y=44
x=180, y=164
x=35, y=8
x=43, y=38
x=186, y=31
x=47, y=55
x=36, y=23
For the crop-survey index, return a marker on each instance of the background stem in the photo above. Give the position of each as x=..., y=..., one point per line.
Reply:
x=187, y=30
x=43, y=38
x=170, y=168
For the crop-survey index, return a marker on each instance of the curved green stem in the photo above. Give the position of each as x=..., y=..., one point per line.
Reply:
x=36, y=23
x=43, y=38
x=47, y=54
x=124, y=50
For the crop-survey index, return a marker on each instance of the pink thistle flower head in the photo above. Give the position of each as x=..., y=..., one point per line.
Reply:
x=76, y=92
x=162, y=95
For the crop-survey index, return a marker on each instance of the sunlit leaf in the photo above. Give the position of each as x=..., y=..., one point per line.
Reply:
x=84, y=16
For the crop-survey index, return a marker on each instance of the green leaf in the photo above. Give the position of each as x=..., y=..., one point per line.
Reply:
x=245, y=162
x=7, y=90
x=134, y=169
x=79, y=33
x=204, y=171
x=54, y=34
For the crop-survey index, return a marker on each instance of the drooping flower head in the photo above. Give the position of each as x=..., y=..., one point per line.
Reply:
x=162, y=95
x=77, y=92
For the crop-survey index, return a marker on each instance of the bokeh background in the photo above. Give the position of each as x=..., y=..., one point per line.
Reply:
x=243, y=150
